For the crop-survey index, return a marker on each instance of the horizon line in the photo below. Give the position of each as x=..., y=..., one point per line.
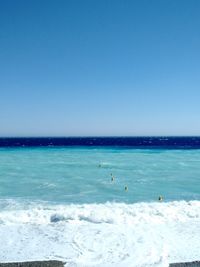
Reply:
x=100, y=136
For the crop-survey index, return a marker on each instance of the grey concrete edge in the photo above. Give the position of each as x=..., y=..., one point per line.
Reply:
x=51, y=263
x=186, y=264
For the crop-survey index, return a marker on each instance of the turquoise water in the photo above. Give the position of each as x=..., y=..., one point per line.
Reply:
x=83, y=175
x=60, y=203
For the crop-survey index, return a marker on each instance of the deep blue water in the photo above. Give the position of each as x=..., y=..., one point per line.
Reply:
x=132, y=142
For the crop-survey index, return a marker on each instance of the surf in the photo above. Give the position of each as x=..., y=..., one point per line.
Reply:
x=106, y=234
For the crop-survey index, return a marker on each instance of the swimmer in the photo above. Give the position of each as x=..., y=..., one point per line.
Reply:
x=126, y=188
x=160, y=198
x=112, y=177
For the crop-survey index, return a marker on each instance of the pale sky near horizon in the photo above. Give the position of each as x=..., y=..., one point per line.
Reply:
x=109, y=67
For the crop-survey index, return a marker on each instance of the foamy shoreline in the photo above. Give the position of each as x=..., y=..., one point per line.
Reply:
x=106, y=235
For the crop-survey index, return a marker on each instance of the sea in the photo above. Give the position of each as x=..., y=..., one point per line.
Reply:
x=100, y=201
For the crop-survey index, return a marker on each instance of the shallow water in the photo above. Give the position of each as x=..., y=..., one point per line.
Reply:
x=61, y=203
x=83, y=175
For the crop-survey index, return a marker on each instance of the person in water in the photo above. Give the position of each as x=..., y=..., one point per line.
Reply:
x=160, y=198
x=112, y=177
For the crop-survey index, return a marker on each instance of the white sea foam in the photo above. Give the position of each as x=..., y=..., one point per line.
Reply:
x=110, y=234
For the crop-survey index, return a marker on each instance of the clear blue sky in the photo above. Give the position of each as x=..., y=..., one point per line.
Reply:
x=99, y=67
